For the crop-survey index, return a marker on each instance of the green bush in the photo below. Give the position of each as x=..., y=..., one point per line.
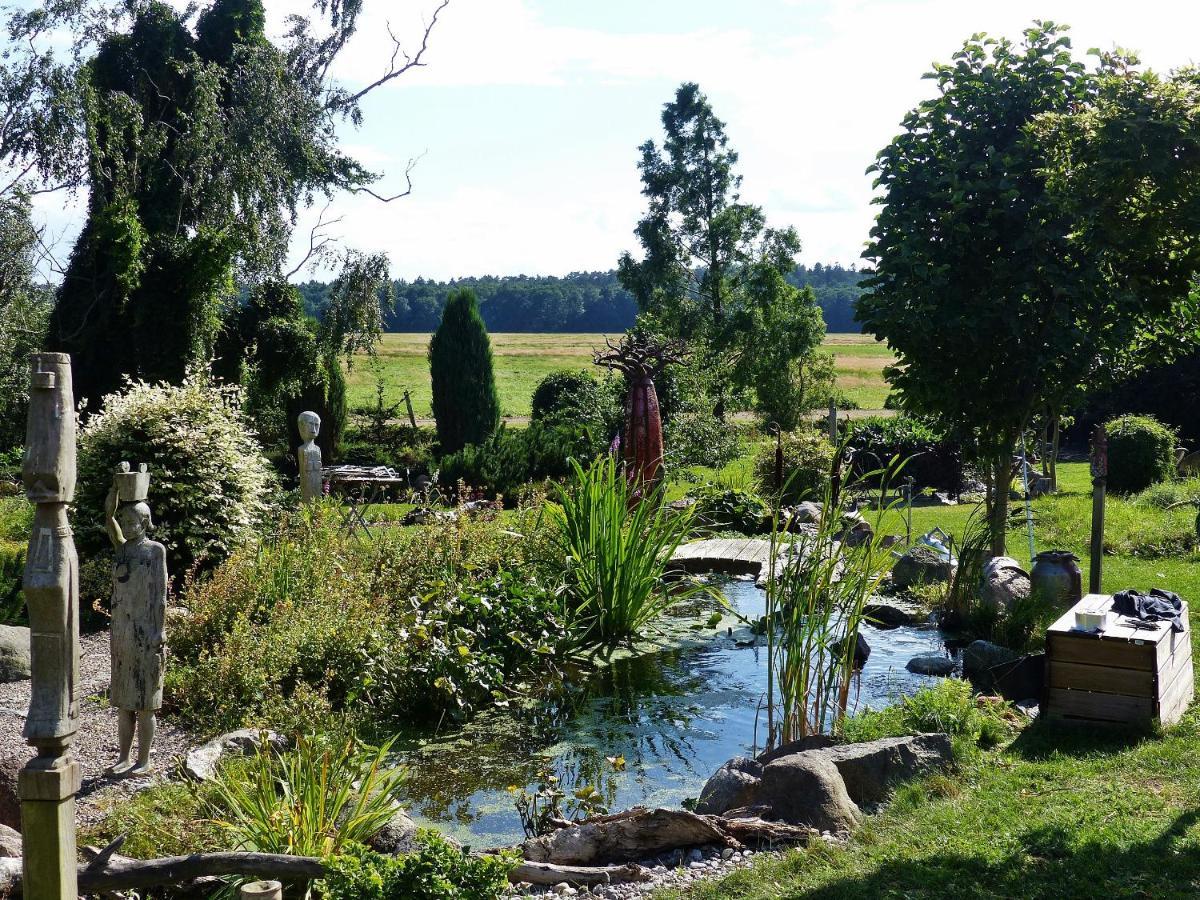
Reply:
x=12, y=570
x=948, y=706
x=210, y=486
x=929, y=456
x=580, y=399
x=807, y=464
x=510, y=459
x=437, y=871
x=313, y=624
x=729, y=509
x=697, y=438
x=1141, y=452
x=466, y=405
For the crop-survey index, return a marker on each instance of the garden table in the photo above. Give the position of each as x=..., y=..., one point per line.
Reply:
x=361, y=491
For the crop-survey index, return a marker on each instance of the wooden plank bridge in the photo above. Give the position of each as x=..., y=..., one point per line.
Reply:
x=735, y=556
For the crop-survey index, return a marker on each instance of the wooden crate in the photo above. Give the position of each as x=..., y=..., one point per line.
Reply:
x=1122, y=675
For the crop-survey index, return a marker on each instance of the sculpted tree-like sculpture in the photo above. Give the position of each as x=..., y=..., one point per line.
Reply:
x=640, y=360
x=139, y=609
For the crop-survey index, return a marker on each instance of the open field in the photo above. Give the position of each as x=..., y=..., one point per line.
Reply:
x=522, y=360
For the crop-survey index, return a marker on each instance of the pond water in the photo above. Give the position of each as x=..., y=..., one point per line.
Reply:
x=673, y=717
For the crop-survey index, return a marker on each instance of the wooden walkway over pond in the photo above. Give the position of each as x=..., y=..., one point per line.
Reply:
x=736, y=556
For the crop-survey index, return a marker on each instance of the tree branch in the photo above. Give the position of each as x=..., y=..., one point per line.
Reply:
x=412, y=164
x=317, y=242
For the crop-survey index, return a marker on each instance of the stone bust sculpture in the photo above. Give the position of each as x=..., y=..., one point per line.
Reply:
x=308, y=457
x=139, y=606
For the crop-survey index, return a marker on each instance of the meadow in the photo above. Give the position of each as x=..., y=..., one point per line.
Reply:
x=522, y=360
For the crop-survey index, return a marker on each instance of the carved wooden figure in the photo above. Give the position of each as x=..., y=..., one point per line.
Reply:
x=308, y=457
x=139, y=607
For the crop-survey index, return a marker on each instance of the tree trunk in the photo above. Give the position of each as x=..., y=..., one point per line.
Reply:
x=998, y=514
x=1055, y=438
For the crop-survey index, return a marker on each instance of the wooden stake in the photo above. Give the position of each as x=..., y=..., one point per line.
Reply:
x=412, y=419
x=1099, y=482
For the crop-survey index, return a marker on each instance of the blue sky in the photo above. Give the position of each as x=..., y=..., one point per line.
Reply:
x=530, y=112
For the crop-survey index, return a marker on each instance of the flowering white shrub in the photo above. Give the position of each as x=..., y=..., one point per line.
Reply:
x=211, y=488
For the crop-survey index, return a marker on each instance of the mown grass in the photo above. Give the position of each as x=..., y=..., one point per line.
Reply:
x=1059, y=812
x=522, y=360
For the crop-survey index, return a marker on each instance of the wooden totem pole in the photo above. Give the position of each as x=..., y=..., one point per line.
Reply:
x=48, y=783
x=640, y=360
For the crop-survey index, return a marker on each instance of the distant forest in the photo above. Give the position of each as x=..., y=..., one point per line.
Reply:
x=579, y=302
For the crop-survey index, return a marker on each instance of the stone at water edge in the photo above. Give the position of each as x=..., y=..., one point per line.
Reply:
x=10, y=843
x=862, y=651
x=1004, y=584
x=14, y=653
x=397, y=837
x=930, y=664
x=870, y=769
x=921, y=565
x=806, y=512
x=806, y=789
x=733, y=785
x=891, y=613
x=201, y=762
x=979, y=656
x=808, y=742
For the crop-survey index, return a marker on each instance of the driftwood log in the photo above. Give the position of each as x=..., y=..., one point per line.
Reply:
x=641, y=832
x=577, y=876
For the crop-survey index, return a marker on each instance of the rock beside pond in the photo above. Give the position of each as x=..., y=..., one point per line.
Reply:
x=806, y=789
x=201, y=762
x=10, y=843
x=806, y=512
x=891, y=613
x=930, y=664
x=862, y=650
x=921, y=565
x=398, y=836
x=1004, y=584
x=731, y=786
x=979, y=656
x=14, y=653
x=870, y=769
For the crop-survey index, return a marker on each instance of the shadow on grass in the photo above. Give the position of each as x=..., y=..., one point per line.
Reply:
x=1043, y=739
x=1051, y=864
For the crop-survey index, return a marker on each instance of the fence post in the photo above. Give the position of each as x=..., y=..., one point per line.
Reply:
x=1099, y=483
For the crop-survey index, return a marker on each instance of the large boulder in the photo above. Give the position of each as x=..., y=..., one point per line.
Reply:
x=921, y=565
x=869, y=770
x=201, y=762
x=891, y=613
x=10, y=843
x=805, y=512
x=808, y=742
x=14, y=653
x=806, y=789
x=979, y=656
x=733, y=785
x=1004, y=584
x=930, y=664
x=398, y=836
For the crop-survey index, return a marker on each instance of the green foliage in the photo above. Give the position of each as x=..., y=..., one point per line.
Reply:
x=436, y=871
x=465, y=403
x=1141, y=452
x=617, y=545
x=423, y=624
x=12, y=570
x=931, y=457
x=319, y=799
x=727, y=508
x=807, y=465
x=543, y=809
x=1137, y=526
x=24, y=313
x=579, y=398
x=210, y=486
x=510, y=459
x=949, y=706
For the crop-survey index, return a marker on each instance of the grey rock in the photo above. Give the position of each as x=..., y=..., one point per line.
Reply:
x=856, y=531
x=734, y=784
x=10, y=805
x=979, y=656
x=1190, y=464
x=1004, y=584
x=806, y=512
x=806, y=789
x=891, y=613
x=921, y=565
x=808, y=742
x=14, y=653
x=870, y=769
x=201, y=762
x=10, y=843
x=930, y=664
x=399, y=835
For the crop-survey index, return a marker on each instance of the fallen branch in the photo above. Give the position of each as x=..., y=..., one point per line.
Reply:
x=577, y=876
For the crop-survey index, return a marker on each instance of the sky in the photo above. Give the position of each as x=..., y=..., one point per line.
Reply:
x=527, y=118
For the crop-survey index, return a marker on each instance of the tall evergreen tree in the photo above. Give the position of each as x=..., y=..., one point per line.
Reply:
x=466, y=405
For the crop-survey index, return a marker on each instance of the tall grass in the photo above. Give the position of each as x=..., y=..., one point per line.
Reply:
x=617, y=539
x=816, y=596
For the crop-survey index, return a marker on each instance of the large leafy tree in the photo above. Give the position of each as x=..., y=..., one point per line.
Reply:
x=203, y=139
x=999, y=286
x=712, y=272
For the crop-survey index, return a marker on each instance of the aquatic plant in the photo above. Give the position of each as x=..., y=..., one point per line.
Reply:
x=436, y=870
x=617, y=537
x=816, y=593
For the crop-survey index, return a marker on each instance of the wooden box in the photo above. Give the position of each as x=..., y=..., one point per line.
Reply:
x=1123, y=674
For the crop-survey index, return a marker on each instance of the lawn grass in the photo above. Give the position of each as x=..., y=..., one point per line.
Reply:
x=522, y=360
x=1061, y=812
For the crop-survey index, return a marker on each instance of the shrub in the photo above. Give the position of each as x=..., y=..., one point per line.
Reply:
x=786, y=397
x=948, y=706
x=436, y=871
x=580, y=399
x=617, y=547
x=1141, y=452
x=507, y=460
x=807, y=463
x=210, y=484
x=726, y=508
x=930, y=457
x=466, y=406
x=698, y=438
x=12, y=570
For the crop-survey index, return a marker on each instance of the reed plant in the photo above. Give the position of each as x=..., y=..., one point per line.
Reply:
x=617, y=537
x=817, y=592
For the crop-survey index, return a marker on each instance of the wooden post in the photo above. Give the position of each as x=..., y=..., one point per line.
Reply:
x=778, y=458
x=412, y=419
x=833, y=435
x=1099, y=482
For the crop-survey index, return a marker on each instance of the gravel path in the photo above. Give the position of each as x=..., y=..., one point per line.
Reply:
x=95, y=744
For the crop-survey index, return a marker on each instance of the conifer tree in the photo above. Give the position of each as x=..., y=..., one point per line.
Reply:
x=465, y=403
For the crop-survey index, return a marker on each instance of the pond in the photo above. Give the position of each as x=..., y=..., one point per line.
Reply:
x=645, y=730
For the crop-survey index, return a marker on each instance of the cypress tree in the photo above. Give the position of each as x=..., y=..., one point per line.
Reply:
x=465, y=403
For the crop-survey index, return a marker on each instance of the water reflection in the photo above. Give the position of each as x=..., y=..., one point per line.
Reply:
x=674, y=716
